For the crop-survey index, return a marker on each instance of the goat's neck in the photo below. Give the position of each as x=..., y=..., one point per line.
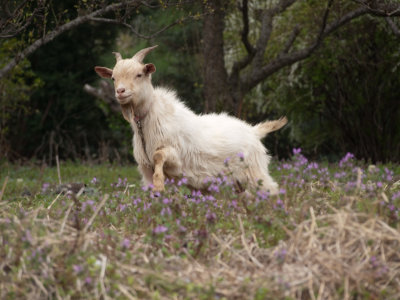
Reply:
x=142, y=110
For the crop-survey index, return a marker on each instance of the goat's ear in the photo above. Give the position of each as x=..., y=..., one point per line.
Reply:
x=149, y=68
x=103, y=72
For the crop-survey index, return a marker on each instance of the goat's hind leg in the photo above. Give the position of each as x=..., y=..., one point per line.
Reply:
x=163, y=155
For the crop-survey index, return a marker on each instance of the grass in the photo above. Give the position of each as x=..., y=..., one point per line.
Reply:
x=331, y=233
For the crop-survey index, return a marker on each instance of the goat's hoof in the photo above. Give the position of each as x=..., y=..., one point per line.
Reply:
x=158, y=181
x=158, y=187
x=273, y=191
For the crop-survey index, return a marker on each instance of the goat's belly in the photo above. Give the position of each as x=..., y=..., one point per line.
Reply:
x=200, y=173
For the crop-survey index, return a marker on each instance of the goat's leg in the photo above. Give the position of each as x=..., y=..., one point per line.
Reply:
x=147, y=174
x=164, y=155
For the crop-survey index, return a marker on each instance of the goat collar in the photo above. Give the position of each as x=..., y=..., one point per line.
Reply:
x=139, y=118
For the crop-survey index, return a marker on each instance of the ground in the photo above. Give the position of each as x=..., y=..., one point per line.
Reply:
x=331, y=233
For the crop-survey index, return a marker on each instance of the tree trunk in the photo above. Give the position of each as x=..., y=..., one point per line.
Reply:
x=215, y=78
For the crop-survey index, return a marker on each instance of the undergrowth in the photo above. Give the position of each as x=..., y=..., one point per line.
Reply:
x=100, y=234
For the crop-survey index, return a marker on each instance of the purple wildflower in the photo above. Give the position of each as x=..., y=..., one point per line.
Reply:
x=45, y=186
x=77, y=268
x=180, y=227
x=122, y=207
x=146, y=206
x=160, y=229
x=234, y=203
x=136, y=201
x=166, y=211
x=94, y=180
x=213, y=188
x=396, y=196
x=281, y=254
x=296, y=151
x=88, y=280
x=389, y=174
x=226, y=161
x=125, y=243
x=346, y=160
x=262, y=195
x=182, y=181
x=146, y=188
x=211, y=216
x=279, y=202
x=27, y=237
x=155, y=195
x=209, y=198
x=166, y=201
x=196, y=193
x=169, y=181
x=340, y=174
x=241, y=156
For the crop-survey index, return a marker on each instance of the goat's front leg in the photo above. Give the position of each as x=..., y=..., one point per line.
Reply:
x=147, y=174
x=162, y=156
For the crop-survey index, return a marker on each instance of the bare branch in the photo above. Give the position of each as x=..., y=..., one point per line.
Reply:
x=265, y=34
x=245, y=32
x=266, y=30
x=256, y=54
x=291, y=40
x=282, y=6
x=393, y=26
x=134, y=31
x=289, y=58
x=324, y=20
x=67, y=26
x=380, y=9
x=106, y=93
x=15, y=22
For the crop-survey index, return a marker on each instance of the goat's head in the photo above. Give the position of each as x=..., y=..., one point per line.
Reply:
x=132, y=78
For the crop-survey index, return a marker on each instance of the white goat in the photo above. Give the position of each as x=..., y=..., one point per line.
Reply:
x=172, y=141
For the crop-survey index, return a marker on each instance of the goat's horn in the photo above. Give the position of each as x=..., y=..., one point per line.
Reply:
x=142, y=53
x=118, y=56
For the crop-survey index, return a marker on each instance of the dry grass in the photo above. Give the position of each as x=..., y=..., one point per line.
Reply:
x=332, y=237
x=334, y=256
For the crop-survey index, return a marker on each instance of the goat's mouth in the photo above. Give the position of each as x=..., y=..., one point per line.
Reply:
x=124, y=99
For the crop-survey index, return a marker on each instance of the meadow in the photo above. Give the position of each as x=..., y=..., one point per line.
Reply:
x=85, y=231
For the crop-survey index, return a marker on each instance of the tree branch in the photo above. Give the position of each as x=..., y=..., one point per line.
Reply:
x=106, y=93
x=67, y=26
x=245, y=32
x=393, y=26
x=132, y=29
x=266, y=30
x=285, y=59
x=377, y=8
x=290, y=41
x=256, y=54
x=11, y=26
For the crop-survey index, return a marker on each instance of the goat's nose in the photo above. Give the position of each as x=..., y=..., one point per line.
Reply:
x=120, y=90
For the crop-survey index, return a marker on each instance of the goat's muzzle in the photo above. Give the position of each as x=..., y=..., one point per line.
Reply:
x=124, y=99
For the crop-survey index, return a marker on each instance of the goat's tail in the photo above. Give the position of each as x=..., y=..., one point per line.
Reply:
x=266, y=127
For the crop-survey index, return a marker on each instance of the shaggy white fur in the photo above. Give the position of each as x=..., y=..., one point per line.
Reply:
x=180, y=143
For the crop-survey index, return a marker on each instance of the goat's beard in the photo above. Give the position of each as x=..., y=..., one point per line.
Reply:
x=128, y=111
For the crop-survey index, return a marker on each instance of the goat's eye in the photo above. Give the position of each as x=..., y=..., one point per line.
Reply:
x=139, y=75
x=112, y=78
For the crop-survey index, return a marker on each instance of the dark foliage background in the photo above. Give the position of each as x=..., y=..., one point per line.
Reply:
x=343, y=98
x=346, y=97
